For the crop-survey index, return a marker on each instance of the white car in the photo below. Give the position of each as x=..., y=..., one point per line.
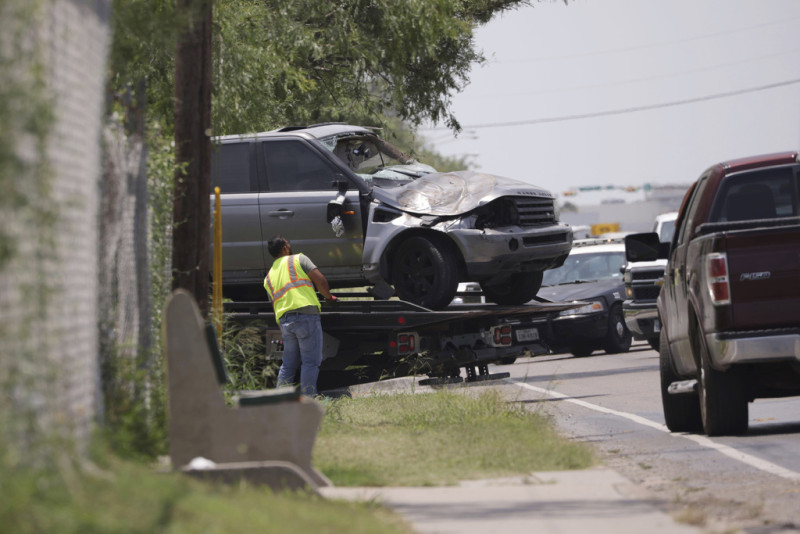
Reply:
x=643, y=284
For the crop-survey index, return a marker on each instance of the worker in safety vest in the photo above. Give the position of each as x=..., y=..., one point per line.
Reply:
x=290, y=285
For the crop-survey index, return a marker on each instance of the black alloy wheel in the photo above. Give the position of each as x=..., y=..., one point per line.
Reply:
x=618, y=337
x=425, y=272
x=723, y=402
x=681, y=412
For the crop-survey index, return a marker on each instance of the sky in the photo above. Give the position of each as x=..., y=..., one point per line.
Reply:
x=623, y=93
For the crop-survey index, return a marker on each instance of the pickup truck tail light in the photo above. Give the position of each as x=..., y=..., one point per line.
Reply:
x=719, y=286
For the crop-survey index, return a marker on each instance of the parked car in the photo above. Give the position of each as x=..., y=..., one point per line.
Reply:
x=369, y=215
x=730, y=305
x=591, y=274
x=643, y=281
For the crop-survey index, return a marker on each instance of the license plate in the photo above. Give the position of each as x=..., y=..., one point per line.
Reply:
x=527, y=334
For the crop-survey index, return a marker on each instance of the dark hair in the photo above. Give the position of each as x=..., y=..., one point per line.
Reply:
x=276, y=244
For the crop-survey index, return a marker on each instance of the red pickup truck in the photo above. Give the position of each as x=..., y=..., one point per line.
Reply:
x=730, y=303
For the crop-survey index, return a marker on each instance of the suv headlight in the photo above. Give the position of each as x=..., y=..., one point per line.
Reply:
x=592, y=307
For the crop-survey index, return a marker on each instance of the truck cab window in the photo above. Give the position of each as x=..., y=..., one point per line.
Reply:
x=230, y=168
x=293, y=166
x=766, y=194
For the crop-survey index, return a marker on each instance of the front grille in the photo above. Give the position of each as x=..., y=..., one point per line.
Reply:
x=647, y=275
x=646, y=292
x=534, y=211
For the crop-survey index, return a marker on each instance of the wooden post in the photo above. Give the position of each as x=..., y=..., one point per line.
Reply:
x=191, y=209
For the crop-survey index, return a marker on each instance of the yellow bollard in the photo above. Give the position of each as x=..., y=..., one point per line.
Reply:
x=217, y=282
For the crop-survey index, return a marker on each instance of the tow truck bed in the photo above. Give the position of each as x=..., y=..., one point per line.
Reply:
x=367, y=340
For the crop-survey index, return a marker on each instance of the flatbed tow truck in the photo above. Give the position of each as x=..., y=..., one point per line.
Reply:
x=371, y=340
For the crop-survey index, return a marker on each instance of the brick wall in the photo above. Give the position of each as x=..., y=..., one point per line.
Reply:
x=52, y=360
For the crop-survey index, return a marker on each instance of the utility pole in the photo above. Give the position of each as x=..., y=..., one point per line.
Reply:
x=191, y=204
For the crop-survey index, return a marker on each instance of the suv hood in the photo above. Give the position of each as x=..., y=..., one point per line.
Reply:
x=582, y=291
x=454, y=193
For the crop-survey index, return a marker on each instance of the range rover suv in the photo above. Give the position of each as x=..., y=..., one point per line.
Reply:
x=369, y=215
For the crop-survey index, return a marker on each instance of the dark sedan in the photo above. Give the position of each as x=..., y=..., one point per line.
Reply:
x=590, y=274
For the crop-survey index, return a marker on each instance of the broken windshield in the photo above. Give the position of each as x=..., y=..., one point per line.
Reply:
x=376, y=161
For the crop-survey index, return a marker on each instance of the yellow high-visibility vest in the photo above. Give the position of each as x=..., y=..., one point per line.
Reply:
x=289, y=286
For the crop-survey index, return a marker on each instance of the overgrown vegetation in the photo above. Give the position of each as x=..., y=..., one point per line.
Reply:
x=422, y=439
x=116, y=496
x=439, y=438
x=28, y=216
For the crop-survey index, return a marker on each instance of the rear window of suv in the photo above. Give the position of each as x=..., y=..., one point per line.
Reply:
x=765, y=194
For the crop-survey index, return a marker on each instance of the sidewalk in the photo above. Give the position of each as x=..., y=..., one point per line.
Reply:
x=595, y=500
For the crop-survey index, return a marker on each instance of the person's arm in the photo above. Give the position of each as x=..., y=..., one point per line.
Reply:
x=322, y=284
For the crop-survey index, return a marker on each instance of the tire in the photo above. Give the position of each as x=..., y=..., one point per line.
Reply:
x=581, y=350
x=723, y=402
x=681, y=412
x=654, y=342
x=618, y=338
x=508, y=360
x=517, y=288
x=425, y=272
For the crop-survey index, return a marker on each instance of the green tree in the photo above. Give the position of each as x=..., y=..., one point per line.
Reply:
x=305, y=61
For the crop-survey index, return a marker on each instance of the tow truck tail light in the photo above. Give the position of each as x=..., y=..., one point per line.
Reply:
x=719, y=286
x=501, y=335
x=406, y=343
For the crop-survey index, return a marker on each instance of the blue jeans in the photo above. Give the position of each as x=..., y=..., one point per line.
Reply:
x=302, y=348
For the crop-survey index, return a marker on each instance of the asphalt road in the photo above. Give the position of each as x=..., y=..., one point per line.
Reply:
x=745, y=483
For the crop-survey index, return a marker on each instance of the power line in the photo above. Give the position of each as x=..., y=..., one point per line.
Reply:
x=622, y=111
x=636, y=80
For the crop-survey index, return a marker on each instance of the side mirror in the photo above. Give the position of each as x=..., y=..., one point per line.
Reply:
x=643, y=247
x=336, y=207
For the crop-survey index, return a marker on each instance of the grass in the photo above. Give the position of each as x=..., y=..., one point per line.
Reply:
x=125, y=497
x=437, y=439
x=406, y=439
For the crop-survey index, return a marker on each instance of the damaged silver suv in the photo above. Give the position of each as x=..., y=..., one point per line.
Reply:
x=368, y=215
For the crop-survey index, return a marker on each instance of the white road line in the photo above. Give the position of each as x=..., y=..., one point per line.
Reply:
x=752, y=461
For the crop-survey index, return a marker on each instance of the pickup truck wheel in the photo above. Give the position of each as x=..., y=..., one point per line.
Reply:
x=618, y=338
x=517, y=288
x=723, y=403
x=424, y=273
x=681, y=412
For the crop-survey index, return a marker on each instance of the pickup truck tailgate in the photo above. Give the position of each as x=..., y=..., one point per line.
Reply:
x=764, y=274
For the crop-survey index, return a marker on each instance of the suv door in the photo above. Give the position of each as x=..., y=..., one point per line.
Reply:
x=294, y=203
x=233, y=170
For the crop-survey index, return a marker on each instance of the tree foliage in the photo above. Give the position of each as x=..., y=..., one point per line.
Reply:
x=307, y=61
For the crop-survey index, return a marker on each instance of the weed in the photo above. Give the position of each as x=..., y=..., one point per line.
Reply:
x=437, y=439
